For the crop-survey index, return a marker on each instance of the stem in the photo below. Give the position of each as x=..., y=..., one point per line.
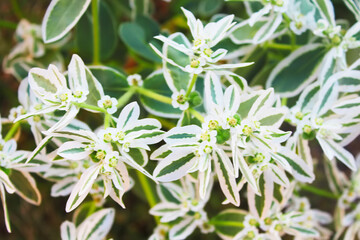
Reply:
x=281, y=46
x=17, y=9
x=96, y=34
x=149, y=194
x=196, y=114
x=8, y=24
x=153, y=95
x=293, y=40
x=107, y=120
x=126, y=97
x=191, y=86
x=90, y=107
x=12, y=131
x=319, y=192
x=284, y=101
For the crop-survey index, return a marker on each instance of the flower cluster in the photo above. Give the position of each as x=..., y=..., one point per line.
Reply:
x=203, y=124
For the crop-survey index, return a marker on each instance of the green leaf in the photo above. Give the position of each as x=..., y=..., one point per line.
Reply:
x=156, y=83
x=229, y=222
x=134, y=35
x=25, y=186
x=107, y=33
x=60, y=17
x=297, y=70
x=113, y=82
x=209, y=7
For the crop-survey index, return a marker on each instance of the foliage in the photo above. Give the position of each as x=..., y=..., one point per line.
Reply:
x=239, y=103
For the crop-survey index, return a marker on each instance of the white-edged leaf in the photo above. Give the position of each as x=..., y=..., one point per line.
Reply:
x=77, y=74
x=38, y=148
x=6, y=213
x=300, y=170
x=225, y=173
x=75, y=198
x=63, y=187
x=4, y=179
x=347, y=106
x=73, y=150
x=88, y=178
x=174, y=166
x=168, y=211
x=259, y=205
x=297, y=70
x=183, y=229
x=128, y=115
x=181, y=135
x=213, y=91
x=60, y=17
x=229, y=222
x=65, y=120
x=25, y=186
x=68, y=231
x=97, y=225
x=161, y=153
x=326, y=9
x=268, y=29
x=332, y=149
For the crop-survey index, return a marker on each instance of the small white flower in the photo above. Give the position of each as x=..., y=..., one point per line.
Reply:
x=108, y=103
x=135, y=80
x=179, y=100
x=16, y=112
x=320, y=27
x=80, y=95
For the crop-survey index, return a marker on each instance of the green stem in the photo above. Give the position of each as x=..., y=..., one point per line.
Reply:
x=8, y=24
x=153, y=95
x=126, y=97
x=284, y=101
x=196, y=114
x=17, y=9
x=191, y=86
x=319, y=192
x=107, y=120
x=90, y=107
x=12, y=131
x=281, y=46
x=293, y=40
x=149, y=194
x=96, y=33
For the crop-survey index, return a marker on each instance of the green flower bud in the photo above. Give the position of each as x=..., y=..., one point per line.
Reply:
x=195, y=99
x=222, y=135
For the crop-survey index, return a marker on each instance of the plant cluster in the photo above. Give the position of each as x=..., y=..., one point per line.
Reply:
x=204, y=126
